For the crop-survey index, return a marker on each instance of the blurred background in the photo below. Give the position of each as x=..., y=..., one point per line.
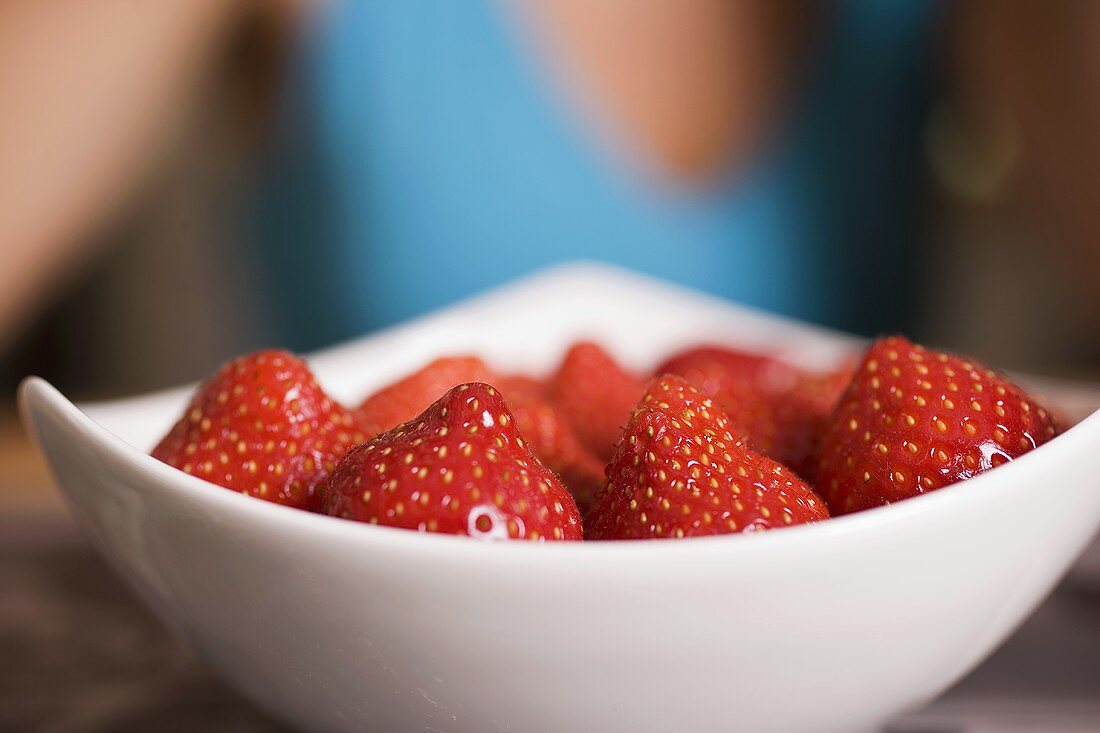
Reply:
x=201, y=177
x=185, y=180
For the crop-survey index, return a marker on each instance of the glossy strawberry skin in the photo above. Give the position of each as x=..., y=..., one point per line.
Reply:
x=680, y=472
x=262, y=426
x=407, y=397
x=780, y=409
x=596, y=395
x=914, y=420
x=461, y=467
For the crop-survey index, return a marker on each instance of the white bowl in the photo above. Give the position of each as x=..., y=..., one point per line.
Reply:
x=334, y=625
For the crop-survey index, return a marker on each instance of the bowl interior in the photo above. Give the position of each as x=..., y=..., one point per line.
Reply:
x=525, y=326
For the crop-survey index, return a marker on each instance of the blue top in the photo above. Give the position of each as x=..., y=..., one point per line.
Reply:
x=423, y=158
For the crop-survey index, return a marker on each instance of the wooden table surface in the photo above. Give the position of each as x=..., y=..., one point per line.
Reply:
x=80, y=656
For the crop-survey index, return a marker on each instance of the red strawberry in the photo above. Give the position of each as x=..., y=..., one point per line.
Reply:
x=800, y=416
x=712, y=368
x=526, y=384
x=409, y=396
x=553, y=440
x=545, y=429
x=913, y=420
x=680, y=472
x=596, y=396
x=779, y=408
x=818, y=392
x=262, y=426
x=461, y=467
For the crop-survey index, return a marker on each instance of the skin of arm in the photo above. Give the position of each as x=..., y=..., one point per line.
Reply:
x=89, y=91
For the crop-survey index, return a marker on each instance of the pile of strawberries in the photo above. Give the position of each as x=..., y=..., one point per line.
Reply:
x=715, y=441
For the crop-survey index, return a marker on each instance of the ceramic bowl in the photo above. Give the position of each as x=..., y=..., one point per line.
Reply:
x=333, y=625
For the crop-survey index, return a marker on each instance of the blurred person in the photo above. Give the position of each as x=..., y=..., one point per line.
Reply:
x=421, y=152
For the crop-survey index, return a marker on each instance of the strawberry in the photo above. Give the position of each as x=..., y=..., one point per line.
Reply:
x=596, y=396
x=547, y=432
x=262, y=426
x=712, y=368
x=680, y=472
x=461, y=467
x=914, y=420
x=818, y=392
x=552, y=439
x=779, y=408
x=526, y=384
x=409, y=396
x=800, y=416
